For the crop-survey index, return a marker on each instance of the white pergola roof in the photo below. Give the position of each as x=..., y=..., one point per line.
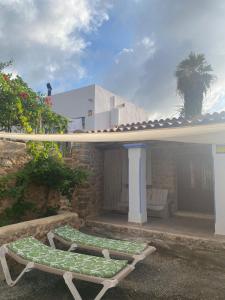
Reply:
x=204, y=134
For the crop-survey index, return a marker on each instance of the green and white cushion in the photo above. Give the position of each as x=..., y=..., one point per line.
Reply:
x=32, y=250
x=75, y=236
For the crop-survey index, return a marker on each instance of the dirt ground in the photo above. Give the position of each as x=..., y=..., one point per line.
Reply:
x=160, y=276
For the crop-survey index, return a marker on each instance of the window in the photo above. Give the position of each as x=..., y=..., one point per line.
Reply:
x=83, y=122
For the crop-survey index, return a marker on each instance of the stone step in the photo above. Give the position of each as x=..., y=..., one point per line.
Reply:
x=208, y=250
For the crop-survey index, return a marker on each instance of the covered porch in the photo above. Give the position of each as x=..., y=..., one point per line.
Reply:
x=177, y=225
x=165, y=186
x=137, y=142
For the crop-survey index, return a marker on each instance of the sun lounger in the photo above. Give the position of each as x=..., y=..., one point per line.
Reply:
x=74, y=238
x=35, y=255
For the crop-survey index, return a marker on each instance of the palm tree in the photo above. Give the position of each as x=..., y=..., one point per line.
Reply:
x=194, y=78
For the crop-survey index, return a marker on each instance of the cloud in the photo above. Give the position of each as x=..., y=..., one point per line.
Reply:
x=215, y=99
x=135, y=54
x=129, y=63
x=147, y=42
x=173, y=28
x=123, y=52
x=47, y=38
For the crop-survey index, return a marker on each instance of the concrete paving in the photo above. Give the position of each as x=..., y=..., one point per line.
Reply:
x=184, y=225
x=160, y=276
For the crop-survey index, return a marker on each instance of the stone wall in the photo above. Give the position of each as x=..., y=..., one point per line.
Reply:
x=164, y=173
x=165, y=157
x=88, y=198
x=12, y=157
x=37, y=228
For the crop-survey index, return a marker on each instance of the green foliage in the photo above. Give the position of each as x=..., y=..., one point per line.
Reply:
x=43, y=150
x=49, y=172
x=25, y=110
x=194, y=79
x=5, y=182
x=15, y=213
x=4, y=65
x=52, y=173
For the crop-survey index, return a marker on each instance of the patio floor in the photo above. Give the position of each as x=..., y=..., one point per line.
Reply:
x=159, y=277
x=184, y=225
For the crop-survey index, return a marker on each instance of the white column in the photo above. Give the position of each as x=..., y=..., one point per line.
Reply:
x=219, y=188
x=137, y=183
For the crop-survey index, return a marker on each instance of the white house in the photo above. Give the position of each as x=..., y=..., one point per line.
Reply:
x=94, y=108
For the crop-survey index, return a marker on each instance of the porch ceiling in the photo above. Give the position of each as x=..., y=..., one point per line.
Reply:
x=202, y=134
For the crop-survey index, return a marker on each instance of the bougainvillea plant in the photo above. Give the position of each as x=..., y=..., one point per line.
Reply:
x=24, y=110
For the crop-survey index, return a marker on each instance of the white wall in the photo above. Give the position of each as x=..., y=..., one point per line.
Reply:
x=131, y=113
x=123, y=111
x=75, y=103
x=89, y=123
x=219, y=190
x=109, y=110
x=102, y=120
x=102, y=99
x=114, y=117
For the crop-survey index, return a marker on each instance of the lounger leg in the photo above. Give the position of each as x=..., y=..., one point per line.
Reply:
x=73, y=247
x=107, y=284
x=105, y=253
x=5, y=268
x=50, y=237
x=142, y=256
x=137, y=258
x=69, y=282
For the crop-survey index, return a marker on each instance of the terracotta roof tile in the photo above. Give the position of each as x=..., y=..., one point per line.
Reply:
x=167, y=123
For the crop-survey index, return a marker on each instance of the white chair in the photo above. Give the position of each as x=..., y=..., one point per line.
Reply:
x=157, y=203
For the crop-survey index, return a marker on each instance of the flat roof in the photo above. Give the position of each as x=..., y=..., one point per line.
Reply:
x=203, y=134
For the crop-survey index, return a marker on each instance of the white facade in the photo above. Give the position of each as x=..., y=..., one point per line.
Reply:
x=219, y=188
x=94, y=108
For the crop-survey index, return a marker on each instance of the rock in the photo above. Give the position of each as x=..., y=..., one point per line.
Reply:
x=6, y=163
x=12, y=148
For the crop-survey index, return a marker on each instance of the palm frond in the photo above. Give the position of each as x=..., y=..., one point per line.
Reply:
x=194, y=78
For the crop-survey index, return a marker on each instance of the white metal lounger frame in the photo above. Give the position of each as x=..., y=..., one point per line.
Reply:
x=68, y=276
x=105, y=252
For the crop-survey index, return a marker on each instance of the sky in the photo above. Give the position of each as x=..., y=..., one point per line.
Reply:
x=131, y=47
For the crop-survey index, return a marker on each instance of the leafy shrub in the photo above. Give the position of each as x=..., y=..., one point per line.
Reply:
x=16, y=212
x=23, y=109
x=52, y=173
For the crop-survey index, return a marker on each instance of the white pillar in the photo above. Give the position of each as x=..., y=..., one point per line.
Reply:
x=137, y=183
x=219, y=188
